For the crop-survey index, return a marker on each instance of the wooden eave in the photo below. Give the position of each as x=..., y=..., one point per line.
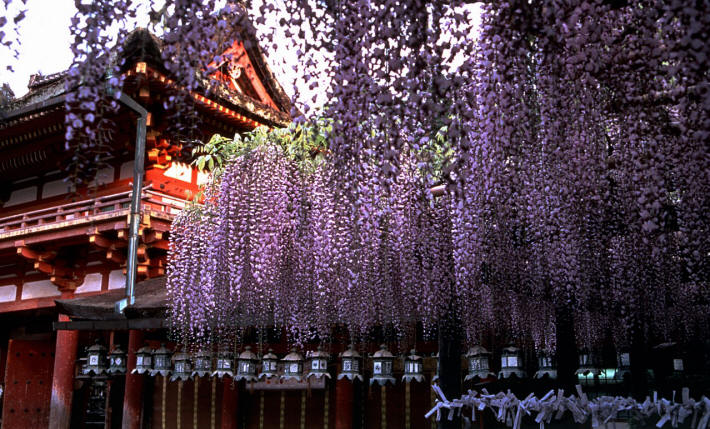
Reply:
x=151, y=303
x=229, y=106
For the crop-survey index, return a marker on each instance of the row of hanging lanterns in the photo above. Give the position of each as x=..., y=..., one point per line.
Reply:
x=96, y=361
x=183, y=366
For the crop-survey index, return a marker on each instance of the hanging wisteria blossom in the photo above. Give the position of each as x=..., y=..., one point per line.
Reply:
x=572, y=138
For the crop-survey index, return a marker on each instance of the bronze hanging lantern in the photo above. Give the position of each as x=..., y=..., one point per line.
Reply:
x=161, y=361
x=511, y=363
x=144, y=361
x=117, y=361
x=318, y=363
x=382, y=362
x=203, y=363
x=183, y=367
x=293, y=366
x=269, y=365
x=588, y=368
x=246, y=365
x=623, y=360
x=351, y=363
x=479, y=365
x=546, y=366
x=225, y=364
x=95, y=359
x=413, y=367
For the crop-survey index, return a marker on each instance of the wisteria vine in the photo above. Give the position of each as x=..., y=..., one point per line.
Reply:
x=573, y=142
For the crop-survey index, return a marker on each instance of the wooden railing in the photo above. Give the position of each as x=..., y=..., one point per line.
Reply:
x=104, y=207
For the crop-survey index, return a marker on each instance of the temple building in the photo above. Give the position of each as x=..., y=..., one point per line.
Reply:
x=63, y=243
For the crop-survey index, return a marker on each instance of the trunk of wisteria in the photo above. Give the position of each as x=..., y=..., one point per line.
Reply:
x=639, y=366
x=450, y=366
x=566, y=348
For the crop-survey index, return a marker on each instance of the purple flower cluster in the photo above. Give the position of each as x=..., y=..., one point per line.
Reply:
x=273, y=245
x=581, y=173
x=93, y=81
x=575, y=150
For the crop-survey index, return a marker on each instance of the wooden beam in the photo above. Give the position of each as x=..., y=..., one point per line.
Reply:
x=160, y=244
x=110, y=325
x=116, y=256
x=100, y=241
x=151, y=235
x=142, y=252
x=66, y=284
x=47, y=268
x=34, y=255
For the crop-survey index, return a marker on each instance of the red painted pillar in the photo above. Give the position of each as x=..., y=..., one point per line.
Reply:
x=133, y=395
x=344, y=397
x=63, y=377
x=230, y=398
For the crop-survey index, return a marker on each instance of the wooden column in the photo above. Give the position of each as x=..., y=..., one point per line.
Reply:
x=133, y=395
x=63, y=377
x=344, y=401
x=230, y=398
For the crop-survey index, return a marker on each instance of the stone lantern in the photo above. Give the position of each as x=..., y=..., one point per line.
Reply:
x=479, y=365
x=269, y=365
x=95, y=359
x=203, y=363
x=546, y=366
x=144, y=361
x=318, y=364
x=183, y=367
x=351, y=363
x=293, y=366
x=382, y=366
x=117, y=361
x=413, y=367
x=511, y=363
x=161, y=361
x=246, y=365
x=225, y=364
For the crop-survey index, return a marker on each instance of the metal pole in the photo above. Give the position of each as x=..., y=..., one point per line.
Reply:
x=135, y=216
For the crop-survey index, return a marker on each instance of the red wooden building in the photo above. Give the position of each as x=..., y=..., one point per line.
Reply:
x=58, y=242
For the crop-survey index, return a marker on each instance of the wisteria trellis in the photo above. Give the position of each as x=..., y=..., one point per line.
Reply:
x=578, y=176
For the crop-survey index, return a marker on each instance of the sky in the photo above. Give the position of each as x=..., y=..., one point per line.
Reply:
x=44, y=33
x=45, y=38
x=45, y=42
